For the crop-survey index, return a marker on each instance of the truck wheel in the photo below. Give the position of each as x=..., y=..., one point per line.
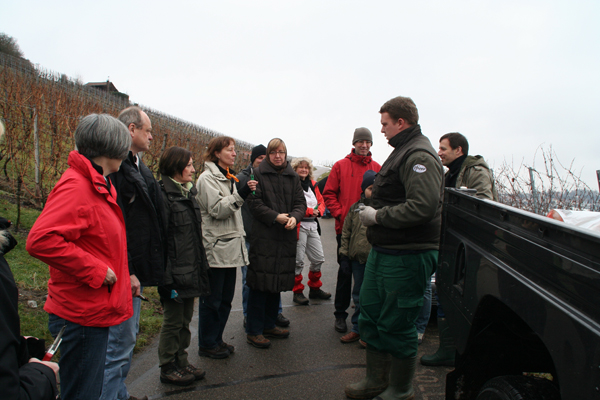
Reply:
x=516, y=387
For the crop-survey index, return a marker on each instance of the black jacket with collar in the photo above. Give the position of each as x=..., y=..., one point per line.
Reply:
x=187, y=266
x=138, y=195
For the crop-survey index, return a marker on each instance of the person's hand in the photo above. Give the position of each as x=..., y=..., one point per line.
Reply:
x=367, y=215
x=49, y=364
x=316, y=213
x=252, y=184
x=110, y=278
x=291, y=224
x=282, y=219
x=345, y=265
x=135, y=285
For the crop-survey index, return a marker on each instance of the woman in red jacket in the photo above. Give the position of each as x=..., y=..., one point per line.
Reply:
x=81, y=236
x=309, y=240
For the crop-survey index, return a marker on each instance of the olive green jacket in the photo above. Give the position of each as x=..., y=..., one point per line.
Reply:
x=354, y=244
x=476, y=174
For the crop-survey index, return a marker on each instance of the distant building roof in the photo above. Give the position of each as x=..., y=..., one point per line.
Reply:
x=107, y=86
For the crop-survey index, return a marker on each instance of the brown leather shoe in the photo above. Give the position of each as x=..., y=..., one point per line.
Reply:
x=318, y=294
x=258, y=341
x=276, y=333
x=170, y=373
x=350, y=337
x=197, y=372
x=227, y=346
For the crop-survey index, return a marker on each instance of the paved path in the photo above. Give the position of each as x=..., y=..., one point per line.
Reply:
x=311, y=364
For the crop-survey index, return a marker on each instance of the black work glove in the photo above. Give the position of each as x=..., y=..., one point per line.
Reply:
x=345, y=265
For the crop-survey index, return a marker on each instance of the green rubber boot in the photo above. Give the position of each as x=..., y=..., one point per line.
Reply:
x=401, y=376
x=376, y=381
x=446, y=352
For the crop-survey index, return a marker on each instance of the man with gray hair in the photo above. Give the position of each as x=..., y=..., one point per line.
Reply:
x=139, y=197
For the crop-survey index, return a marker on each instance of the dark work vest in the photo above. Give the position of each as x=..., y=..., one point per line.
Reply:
x=389, y=190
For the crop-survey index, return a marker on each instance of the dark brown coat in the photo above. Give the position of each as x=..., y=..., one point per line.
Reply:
x=272, y=247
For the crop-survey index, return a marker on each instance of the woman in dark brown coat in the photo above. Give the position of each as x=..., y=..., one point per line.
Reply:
x=276, y=206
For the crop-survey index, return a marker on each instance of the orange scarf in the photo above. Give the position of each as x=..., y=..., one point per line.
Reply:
x=229, y=176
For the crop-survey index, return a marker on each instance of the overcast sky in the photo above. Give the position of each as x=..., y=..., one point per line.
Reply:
x=510, y=75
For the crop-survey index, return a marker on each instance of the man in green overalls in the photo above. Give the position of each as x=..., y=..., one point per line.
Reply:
x=403, y=229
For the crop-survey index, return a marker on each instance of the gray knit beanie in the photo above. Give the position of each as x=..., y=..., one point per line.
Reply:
x=362, y=134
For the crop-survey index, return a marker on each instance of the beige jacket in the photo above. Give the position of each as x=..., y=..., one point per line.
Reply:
x=222, y=227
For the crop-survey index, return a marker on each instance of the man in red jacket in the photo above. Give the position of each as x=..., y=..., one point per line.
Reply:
x=341, y=191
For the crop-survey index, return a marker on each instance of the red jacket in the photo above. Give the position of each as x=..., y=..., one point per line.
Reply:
x=80, y=233
x=343, y=185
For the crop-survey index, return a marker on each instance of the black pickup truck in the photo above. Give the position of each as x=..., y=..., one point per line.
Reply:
x=521, y=293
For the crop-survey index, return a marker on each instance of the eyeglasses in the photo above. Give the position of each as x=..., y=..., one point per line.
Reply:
x=280, y=152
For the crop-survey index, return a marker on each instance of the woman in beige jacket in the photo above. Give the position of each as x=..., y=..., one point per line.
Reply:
x=224, y=240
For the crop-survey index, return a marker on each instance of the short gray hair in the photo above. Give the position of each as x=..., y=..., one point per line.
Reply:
x=132, y=115
x=102, y=135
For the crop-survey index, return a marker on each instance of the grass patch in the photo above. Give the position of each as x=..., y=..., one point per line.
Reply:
x=31, y=276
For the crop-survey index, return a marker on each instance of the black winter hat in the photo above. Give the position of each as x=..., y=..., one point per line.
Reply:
x=362, y=134
x=368, y=179
x=257, y=151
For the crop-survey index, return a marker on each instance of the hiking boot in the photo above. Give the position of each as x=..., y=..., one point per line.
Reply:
x=218, y=352
x=350, y=337
x=340, y=325
x=318, y=294
x=227, y=347
x=258, y=341
x=169, y=373
x=282, y=321
x=300, y=299
x=196, y=372
x=137, y=398
x=276, y=333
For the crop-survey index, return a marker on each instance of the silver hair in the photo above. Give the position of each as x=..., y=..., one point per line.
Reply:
x=132, y=115
x=297, y=161
x=102, y=135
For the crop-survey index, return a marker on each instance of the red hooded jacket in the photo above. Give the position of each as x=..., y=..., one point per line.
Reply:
x=343, y=185
x=80, y=233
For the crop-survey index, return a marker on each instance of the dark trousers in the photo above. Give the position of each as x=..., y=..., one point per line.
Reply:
x=343, y=287
x=175, y=335
x=262, y=311
x=82, y=358
x=214, y=309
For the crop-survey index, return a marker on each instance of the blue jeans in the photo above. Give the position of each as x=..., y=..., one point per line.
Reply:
x=358, y=271
x=214, y=309
x=82, y=357
x=246, y=289
x=423, y=317
x=262, y=311
x=121, y=341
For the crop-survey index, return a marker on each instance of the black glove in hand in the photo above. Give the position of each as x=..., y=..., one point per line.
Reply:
x=345, y=265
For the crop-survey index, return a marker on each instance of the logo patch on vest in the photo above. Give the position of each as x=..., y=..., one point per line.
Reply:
x=419, y=169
